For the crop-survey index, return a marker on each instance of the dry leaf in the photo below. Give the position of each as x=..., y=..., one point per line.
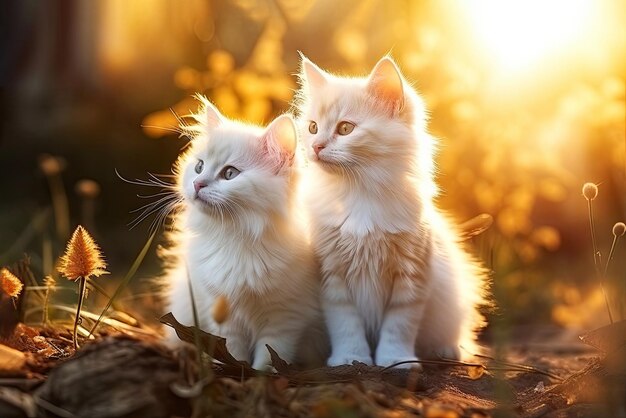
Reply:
x=607, y=339
x=11, y=359
x=435, y=411
x=213, y=345
x=475, y=372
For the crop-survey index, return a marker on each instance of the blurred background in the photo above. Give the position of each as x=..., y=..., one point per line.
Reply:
x=527, y=98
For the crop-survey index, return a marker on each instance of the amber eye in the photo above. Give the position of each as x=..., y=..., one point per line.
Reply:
x=229, y=172
x=313, y=127
x=344, y=128
x=199, y=166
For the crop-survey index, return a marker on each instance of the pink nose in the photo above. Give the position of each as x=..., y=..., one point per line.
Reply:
x=318, y=148
x=197, y=185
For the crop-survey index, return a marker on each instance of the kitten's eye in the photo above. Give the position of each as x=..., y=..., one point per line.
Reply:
x=344, y=128
x=313, y=127
x=229, y=172
x=199, y=166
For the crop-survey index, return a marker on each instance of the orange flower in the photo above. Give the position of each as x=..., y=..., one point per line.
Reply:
x=10, y=284
x=82, y=257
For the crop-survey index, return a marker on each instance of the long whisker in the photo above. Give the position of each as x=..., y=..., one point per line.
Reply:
x=153, y=182
x=155, y=203
x=143, y=216
x=149, y=196
x=165, y=128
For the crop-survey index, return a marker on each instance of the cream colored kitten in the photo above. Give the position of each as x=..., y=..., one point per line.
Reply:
x=397, y=284
x=238, y=235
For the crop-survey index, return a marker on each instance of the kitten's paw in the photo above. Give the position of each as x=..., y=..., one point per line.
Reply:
x=386, y=361
x=447, y=352
x=340, y=359
x=265, y=368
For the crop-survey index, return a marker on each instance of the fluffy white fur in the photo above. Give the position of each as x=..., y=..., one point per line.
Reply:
x=397, y=284
x=242, y=238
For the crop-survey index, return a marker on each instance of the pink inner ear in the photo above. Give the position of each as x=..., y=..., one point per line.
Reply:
x=274, y=154
x=385, y=83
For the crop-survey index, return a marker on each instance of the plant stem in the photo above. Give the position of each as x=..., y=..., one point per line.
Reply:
x=60, y=206
x=596, y=260
x=608, y=261
x=81, y=294
x=45, y=306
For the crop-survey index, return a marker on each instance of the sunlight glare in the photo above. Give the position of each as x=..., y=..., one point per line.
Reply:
x=518, y=34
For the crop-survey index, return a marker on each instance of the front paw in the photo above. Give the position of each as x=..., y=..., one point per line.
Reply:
x=408, y=362
x=347, y=358
x=447, y=353
x=264, y=367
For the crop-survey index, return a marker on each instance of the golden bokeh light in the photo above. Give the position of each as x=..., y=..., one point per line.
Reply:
x=518, y=34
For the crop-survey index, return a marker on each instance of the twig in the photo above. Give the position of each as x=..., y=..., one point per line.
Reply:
x=522, y=367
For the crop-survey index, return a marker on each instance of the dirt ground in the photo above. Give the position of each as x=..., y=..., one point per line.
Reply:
x=547, y=372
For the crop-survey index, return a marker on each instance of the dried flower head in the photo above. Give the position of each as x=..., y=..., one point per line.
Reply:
x=87, y=188
x=220, y=309
x=9, y=283
x=51, y=165
x=82, y=257
x=590, y=191
x=619, y=229
x=49, y=281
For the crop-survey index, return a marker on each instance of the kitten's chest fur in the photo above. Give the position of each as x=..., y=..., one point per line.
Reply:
x=371, y=263
x=231, y=267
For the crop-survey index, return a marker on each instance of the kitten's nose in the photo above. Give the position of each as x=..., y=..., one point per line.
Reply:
x=317, y=148
x=197, y=185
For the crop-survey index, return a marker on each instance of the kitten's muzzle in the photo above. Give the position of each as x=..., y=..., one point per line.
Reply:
x=197, y=185
x=317, y=148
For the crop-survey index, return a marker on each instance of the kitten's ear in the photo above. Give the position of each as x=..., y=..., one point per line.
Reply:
x=385, y=82
x=281, y=140
x=311, y=75
x=212, y=116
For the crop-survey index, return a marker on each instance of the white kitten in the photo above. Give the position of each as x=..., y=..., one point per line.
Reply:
x=397, y=283
x=238, y=235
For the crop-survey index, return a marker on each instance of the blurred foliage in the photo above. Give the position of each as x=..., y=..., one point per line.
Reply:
x=516, y=142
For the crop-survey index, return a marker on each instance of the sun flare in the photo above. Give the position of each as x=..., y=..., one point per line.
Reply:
x=518, y=34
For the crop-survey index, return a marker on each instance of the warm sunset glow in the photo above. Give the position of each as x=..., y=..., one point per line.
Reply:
x=518, y=34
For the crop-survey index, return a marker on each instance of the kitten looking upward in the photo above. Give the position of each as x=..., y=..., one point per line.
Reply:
x=397, y=284
x=237, y=235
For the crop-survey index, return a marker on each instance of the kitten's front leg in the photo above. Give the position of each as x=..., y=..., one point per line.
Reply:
x=401, y=325
x=236, y=343
x=345, y=325
x=281, y=341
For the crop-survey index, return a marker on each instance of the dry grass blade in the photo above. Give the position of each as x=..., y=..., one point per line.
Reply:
x=113, y=323
x=126, y=280
x=35, y=226
x=475, y=226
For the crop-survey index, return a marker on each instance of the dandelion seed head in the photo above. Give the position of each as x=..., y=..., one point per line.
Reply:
x=9, y=283
x=82, y=257
x=619, y=229
x=51, y=165
x=87, y=188
x=590, y=191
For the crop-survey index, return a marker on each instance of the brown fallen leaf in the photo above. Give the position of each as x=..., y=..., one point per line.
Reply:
x=607, y=339
x=475, y=372
x=211, y=344
x=11, y=359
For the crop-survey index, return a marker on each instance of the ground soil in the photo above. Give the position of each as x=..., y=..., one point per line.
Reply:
x=119, y=375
